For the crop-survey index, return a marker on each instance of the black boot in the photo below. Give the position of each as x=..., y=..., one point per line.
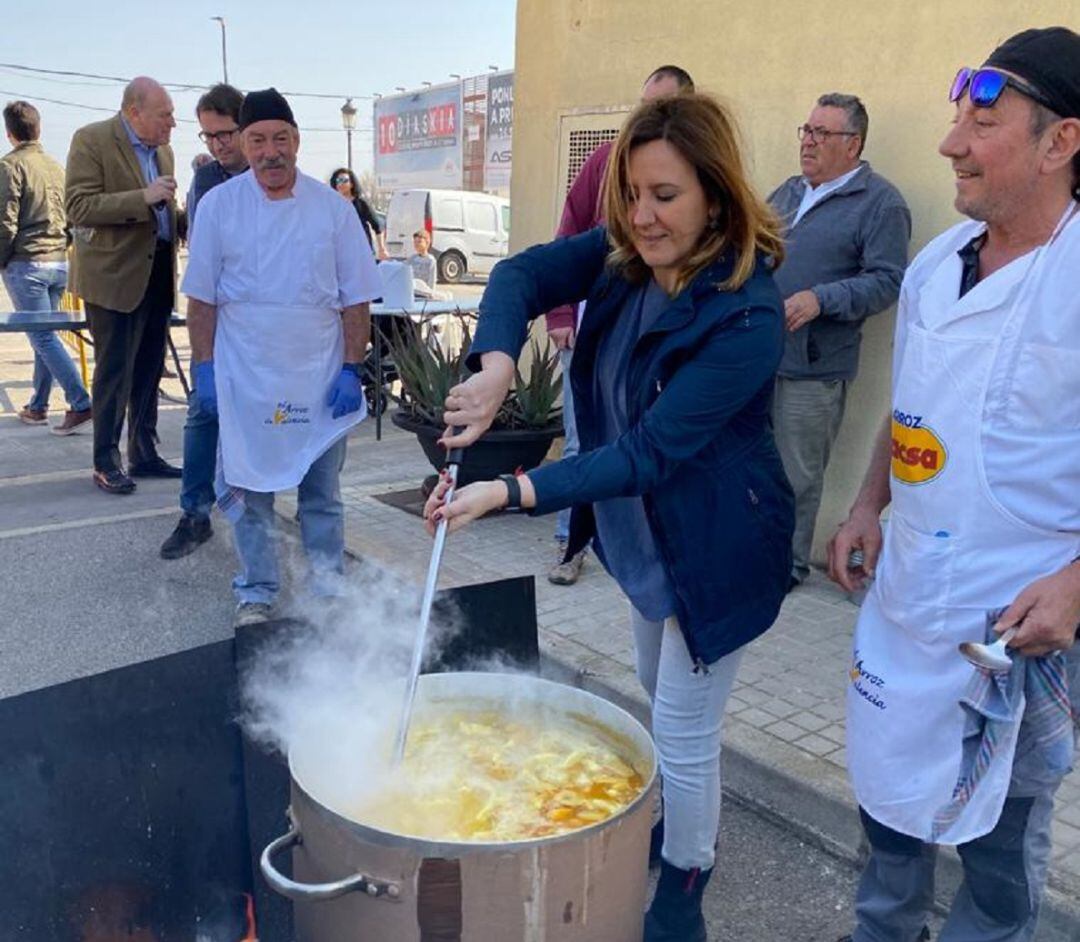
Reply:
x=675, y=913
x=189, y=535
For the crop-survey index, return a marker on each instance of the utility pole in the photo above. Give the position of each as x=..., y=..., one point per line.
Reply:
x=224, y=56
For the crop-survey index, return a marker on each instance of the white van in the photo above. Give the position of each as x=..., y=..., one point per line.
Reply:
x=469, y=231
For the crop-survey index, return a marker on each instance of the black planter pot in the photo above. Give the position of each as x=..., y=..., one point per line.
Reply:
x=496, y=452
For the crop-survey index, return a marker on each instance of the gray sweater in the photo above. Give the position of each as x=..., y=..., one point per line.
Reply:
x=851, y=251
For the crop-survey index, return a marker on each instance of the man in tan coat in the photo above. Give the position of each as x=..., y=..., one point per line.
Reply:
x=121, y=207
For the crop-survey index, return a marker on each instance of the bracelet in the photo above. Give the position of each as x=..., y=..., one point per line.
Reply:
x=513, y=493
x=353, y=368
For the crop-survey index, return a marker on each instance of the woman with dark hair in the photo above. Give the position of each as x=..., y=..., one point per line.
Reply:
x=678, y=481
x=344, y=181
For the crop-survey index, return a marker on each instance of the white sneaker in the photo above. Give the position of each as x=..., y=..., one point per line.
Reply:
x=252, y=613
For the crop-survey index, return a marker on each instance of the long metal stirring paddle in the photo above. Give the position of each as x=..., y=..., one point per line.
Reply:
x=453, y=461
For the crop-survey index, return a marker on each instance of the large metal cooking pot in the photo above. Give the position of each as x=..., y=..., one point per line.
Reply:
x=354, y=882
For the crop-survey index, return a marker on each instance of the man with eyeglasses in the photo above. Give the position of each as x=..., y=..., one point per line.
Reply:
x=979, y=464
x=847, y=233
x=218, y=113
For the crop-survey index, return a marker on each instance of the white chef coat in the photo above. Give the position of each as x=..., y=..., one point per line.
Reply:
x=279, y=272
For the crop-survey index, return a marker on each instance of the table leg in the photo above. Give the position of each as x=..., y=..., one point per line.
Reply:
x=376, y=341
x=176, y=361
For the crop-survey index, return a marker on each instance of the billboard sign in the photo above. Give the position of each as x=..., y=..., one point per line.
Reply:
x=500, y=130
x=418, y=139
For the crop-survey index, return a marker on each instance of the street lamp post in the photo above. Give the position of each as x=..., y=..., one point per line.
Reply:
x=224, y=56
x=348, y=121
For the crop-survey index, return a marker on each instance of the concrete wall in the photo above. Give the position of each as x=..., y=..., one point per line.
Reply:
x=770, y=60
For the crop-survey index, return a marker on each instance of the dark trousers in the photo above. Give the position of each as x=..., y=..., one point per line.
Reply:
x=129, y=353
x=998, y=900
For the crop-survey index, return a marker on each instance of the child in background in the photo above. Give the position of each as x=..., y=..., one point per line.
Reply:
x=422, y=264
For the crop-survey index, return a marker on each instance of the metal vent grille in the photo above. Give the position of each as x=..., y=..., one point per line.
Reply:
x=581, y=143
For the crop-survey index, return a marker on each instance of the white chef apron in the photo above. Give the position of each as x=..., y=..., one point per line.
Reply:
x=274, y=365
x=952, y=553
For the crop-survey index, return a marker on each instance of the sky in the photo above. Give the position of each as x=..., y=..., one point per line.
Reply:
x=343, y=48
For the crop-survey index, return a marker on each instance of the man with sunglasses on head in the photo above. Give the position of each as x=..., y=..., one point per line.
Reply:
x=847, y=234
x=218, y=113
x=979, y=464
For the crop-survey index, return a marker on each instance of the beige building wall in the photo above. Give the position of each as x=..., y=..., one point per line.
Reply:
x=769, y=60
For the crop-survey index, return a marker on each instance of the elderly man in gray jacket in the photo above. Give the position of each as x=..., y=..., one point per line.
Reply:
x=847, y=233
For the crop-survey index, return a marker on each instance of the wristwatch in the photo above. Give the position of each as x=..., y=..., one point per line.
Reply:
x=353, y=368
x=513, y=493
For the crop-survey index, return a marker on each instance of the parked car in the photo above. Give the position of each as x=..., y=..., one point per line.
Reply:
x=469, y=231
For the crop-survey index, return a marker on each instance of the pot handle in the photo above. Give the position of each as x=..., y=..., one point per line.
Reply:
x=312, y=892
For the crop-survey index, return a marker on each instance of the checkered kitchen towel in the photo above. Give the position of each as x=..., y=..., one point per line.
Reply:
x=229, y=499
x=1035, y=690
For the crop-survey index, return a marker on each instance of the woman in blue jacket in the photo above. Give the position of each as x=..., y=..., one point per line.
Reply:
x=678, y=480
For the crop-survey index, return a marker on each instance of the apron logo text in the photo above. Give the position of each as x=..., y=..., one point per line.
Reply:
x=288, y=414
x=907, y=420
x=867, y=685
x=918, y=455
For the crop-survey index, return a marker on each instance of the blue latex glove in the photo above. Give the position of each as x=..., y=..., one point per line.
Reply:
x=205, y=387
x=345, y=395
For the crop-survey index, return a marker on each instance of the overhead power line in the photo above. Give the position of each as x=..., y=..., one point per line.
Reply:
x=78, y=104
x=176, y=86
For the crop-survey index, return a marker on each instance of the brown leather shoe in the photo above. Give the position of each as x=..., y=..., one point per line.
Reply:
x=73, y=422
x=114, y=482
x=33, y=416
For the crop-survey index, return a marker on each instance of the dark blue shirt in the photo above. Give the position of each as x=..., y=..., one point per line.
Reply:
x=630, y=552
x=206, y=178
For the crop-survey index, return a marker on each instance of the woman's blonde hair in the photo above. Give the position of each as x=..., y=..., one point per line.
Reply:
x=704, y=132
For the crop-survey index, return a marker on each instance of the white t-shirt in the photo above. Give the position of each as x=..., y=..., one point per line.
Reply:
x=307, y=251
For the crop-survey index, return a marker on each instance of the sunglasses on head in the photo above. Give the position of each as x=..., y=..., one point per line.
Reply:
x=984, y=87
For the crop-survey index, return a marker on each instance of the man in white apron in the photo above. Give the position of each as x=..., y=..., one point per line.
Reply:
x=278, y=282
x=979, y=463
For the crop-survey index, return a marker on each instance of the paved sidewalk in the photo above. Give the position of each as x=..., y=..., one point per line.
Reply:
x=785, y=728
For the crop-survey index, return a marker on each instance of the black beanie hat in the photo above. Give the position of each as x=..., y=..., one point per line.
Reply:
x=267, y=105
x=1049, y=61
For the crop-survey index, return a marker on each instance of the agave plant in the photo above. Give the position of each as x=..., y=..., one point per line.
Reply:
x=428, y=372
x=532, y=401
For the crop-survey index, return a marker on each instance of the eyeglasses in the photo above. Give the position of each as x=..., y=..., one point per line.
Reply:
x=821, y=135
x=984, y=87
x=217, y=137
x=337, y=181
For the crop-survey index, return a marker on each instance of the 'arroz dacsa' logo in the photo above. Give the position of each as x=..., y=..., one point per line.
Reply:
x=918, y=455
x=869, y=686
x=285, y=413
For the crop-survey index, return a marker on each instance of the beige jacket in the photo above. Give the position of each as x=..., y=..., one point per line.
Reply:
x=114, y=231
x=32, y=222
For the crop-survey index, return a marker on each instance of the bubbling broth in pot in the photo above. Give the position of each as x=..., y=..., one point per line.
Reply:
x=481, y=775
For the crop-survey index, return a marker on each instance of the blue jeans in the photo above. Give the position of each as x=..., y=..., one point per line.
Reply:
x=322, y=529
x=200, y=460
x=571, y=446
x=38, y=286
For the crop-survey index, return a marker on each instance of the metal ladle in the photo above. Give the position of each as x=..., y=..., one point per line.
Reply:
x=453, y=461
x=993, y=657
